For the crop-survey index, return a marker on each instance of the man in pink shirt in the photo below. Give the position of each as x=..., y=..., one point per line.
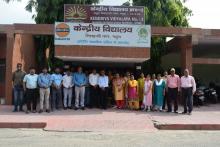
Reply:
x=188, y=87
x=173, y=87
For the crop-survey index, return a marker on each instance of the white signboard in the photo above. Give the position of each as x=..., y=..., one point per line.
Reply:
x=102, y=34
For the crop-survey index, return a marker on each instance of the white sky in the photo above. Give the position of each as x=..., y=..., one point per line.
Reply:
x=206, y=13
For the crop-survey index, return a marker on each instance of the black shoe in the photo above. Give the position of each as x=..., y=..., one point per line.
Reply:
x=48, y=111
x=21, y=110
x=168, y=111
x=176, y=112
x=184, y=112
x=83, y=108
x=65, y=108
x=69, y=107
x=15, y=110
x=76, y=108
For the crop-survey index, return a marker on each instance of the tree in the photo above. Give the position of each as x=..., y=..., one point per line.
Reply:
x=47, y=12
x=162, y=13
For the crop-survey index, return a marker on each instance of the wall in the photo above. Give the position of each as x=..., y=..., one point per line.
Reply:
x=207, y=73
x=24, y=51
x=171, y=60
x=2, y=62
x=98, y=51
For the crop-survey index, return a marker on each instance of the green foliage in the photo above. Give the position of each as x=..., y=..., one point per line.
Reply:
x=47, y=12
x=162, y=13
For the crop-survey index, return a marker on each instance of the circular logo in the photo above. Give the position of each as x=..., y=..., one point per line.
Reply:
x=62, y=30
x=142, y=32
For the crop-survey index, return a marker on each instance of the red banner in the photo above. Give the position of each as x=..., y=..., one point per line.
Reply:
x=104, y=14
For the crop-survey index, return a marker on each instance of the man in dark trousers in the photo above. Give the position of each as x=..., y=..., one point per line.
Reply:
x=173, y=86
x=30, y=88
x=103, y=83
x=18, y=90
x=93, y=82
x=188, y=88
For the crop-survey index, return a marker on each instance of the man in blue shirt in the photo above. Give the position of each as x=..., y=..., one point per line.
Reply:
x=56, y=89
x=44, y=82
x=79, y=79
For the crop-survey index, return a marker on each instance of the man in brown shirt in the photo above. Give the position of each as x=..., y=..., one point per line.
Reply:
x=17, y=79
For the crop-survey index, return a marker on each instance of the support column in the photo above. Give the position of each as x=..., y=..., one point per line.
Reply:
x=9, y=55
x=186, y=53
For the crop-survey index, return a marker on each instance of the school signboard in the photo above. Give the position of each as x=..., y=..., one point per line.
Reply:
x=104, y=14
x=102, y=34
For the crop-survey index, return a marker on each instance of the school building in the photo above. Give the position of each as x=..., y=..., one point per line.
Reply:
x=193, y=48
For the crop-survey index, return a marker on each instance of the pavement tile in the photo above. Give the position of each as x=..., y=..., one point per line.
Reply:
x=203, y=118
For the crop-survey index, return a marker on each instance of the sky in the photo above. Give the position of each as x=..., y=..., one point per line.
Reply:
x=206, y=13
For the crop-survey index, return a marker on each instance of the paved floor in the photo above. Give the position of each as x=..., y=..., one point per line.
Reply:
x=39, y=138
x=94, y=120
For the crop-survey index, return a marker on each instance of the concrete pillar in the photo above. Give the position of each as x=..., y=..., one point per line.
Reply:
x=8, y=77
x=186, y=53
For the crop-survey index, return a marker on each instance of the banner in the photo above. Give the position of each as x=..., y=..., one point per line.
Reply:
x=104, y=14
x=102, y=34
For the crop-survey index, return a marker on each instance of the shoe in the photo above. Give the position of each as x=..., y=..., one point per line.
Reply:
x=40, y=111
x=176, y=112
x=34, y=111
x=21, y=110
x=65, y=108
x=83, y=108
x=48, y=111
x=69, y=107
x=27, y=112
x=168, y=111
x=15, y=110
x=76, y=108
x=190, y=113
x=184, y=112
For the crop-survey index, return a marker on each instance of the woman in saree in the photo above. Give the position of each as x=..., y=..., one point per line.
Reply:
x=119, y=91
x=147, y=101
x=133, y=100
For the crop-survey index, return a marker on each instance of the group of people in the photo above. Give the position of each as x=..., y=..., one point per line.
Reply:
x=151, y=93
x=77, y=90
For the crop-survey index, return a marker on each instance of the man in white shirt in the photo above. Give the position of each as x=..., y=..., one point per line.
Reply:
x=188, y=87
x=103, y=82
x=67, y=89
x=30, y=88
x=93, y=82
